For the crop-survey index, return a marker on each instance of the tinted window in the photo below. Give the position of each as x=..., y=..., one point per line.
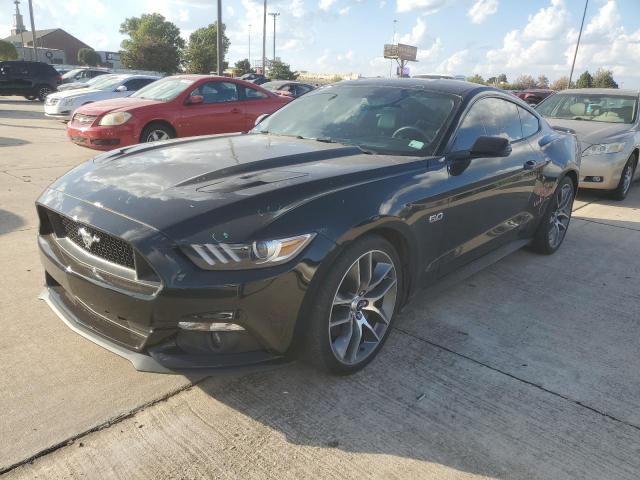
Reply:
x=302, y=89
x=137, y=83
x=590, y=107
x=165, y=89
x=217, y=92
x=530, y=124
x=252, y=93
x=492, y=117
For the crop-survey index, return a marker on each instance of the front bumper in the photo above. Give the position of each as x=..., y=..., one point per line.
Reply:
x=139, y=320
x=607, y=166
x=102, y=138
x=58, y=112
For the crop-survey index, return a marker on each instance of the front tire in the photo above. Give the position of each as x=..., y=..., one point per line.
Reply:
x=156, y=132
x=349, y=316
x=42, y=92
x=621, y=191
x=555, y=222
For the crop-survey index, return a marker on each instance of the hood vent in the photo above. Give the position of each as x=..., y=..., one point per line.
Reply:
x=247, y=181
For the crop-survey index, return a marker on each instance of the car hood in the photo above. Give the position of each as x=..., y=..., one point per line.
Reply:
x=81, y=92
x=71, y=86
x=116, y=104
x=590, y=133
x=239, y=183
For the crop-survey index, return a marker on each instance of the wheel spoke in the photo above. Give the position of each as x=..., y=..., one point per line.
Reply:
x=342, y=299
x=351, y=281
x=367, y=325
x=381, y=290
x=341, y=344
x=379, y=274
x=340, y=318
x=354, y=344
x=380, y=313
x=365, y=267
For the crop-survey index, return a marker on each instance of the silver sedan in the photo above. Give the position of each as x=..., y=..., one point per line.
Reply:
x=607, y=125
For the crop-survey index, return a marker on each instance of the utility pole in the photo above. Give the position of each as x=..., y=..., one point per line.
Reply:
x=249, y=46
x=274, y=15
x=264, y=39
x=219, y=38
x=393, y=42
x=33, y=31
x=584, y=14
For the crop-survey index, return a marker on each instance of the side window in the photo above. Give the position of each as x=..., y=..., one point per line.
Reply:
x=253, y=94
x=473, y=126
x=301, y=89
x=137, y=83
x=504, y=120
x=530, y=124
x=217, y=92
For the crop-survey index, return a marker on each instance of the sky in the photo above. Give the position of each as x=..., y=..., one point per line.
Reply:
x=460, y=37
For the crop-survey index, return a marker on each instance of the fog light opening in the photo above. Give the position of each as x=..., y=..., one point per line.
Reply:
x=595, y=179
x=210, y=326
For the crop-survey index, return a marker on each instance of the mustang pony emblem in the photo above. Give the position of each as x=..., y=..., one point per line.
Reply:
x=87, y=238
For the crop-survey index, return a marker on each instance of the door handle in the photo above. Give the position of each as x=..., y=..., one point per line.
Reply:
x=235, y=110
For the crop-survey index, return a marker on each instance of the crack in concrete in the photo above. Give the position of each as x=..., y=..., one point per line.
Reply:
x=510, y=375
x=608, y=224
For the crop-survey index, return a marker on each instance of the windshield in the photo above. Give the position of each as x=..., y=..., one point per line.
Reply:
x=109, y=84
x=165, y=89
x=272, y=86
x=386, y=120
x=95, y=82
x=591, y=107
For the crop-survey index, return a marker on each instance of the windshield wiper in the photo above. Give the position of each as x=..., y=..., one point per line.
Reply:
x=325, y=140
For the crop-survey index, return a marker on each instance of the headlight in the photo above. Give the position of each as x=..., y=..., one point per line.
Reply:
x=259, y=254
x=604, y=148
x=117, y=118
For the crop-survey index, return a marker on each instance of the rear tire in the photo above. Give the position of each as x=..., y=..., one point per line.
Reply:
x=626, y=179
x=346, y=325
x=155, y=132
x=555, y=222
x=30, y=97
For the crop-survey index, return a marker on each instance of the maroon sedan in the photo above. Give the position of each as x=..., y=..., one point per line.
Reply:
x=533, y=96
x=177, y=106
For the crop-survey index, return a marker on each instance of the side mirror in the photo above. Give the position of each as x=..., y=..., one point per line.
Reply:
x=490, y=147
x=260, y=119
x=195, y=100
x=121, y=88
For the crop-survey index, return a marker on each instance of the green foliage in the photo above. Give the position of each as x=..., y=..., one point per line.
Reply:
x=281, y=71
x=476, y=79
x=523, y=82
x=502, y=78
x=542, y=82
x=242, y=67
x=7, y=51
x=585, y=80
x=153, y=44
x=604, y=79
x=561, y=83
x=201, y=54
x=88, y=56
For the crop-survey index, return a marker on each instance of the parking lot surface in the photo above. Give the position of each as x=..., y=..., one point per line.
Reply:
x=529, y=369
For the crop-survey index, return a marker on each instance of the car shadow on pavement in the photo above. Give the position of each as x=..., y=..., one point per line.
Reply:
x=22, y=114
x=12, y=142
x=9, y=221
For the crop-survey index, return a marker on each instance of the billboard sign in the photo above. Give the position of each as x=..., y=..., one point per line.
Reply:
x=400, y=51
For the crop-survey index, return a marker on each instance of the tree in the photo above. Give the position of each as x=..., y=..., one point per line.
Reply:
x=201, y=54
x=543, y=81
x=523, y=82
x=585, y=80
x=476, y=79
x=560, y=84
x=88, y=56
x=502, y=78
x=7, y=51
x=604, y=79
x=493, y=81
x=281, y=71
x=242, y=67
x=153, y=44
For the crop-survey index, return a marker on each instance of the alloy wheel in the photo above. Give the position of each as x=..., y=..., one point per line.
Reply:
x=43, y=93
x=561, y=215
x=363, y=307
x=627, y=177
x=156, y=135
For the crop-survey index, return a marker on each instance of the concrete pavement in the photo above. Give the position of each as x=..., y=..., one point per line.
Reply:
x=528, y=369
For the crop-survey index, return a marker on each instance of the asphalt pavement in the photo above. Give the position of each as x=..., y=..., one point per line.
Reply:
x=529, y=369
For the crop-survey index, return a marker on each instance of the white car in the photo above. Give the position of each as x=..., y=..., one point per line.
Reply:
x=87, y=84
x=61, y=105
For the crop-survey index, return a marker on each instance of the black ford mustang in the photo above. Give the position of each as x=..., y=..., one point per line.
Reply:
x=305, y=236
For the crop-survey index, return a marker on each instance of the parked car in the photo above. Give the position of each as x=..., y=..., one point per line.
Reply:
x=533, y=96
x=256, y=78
x=32, y=80
x=607, y=125
x=89, y=83
x=287, y=88
x=83, y=74
x=61, y=105
x=178, y=106
x=305, y=236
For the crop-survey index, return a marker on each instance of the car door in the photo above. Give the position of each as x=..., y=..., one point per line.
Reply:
x=254, y=103
x=219, y=112
x=489, y=198
x=6, y=78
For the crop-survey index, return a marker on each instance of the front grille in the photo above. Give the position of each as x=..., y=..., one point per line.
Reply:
x=82, y=119
x=51, y=101
x=98, y=243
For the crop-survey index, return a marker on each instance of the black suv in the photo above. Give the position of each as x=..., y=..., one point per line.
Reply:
x=30, y=79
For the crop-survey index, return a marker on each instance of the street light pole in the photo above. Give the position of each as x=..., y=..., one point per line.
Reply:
x=584, y=14
x=219, y=39
x=393, y=41
x=33, y=31
x=249, y=46
x=274, y=15
x=264, y=39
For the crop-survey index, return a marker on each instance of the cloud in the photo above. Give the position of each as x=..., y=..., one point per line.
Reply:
x=326, y=4
x=416, y=35
x=425, y=6
x=481, y=10
x=456, y=63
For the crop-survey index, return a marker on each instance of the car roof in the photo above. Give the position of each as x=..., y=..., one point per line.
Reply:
x=285, y=82
x=616, y=92
x=455, y=87
x=194, y=76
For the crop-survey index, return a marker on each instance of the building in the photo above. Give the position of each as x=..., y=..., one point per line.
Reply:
x=53, y=39
x=47, y=55
x=110, y=59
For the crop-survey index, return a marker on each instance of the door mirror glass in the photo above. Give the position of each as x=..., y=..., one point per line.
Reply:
x=195, y=100
x=490, y=147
